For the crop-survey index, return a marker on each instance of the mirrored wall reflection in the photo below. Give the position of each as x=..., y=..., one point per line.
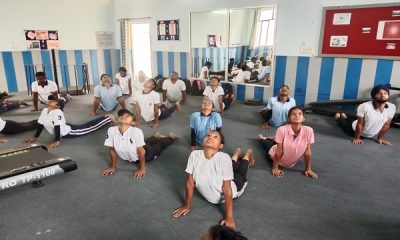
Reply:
x=209, y=38
x=251, y=42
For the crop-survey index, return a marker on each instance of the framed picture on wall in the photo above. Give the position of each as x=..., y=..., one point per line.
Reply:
x=168, y=30
x=214, y=40
x=42, y=39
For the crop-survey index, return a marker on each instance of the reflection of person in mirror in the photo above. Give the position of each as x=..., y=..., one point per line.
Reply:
x=205, y=71
x=244, y=75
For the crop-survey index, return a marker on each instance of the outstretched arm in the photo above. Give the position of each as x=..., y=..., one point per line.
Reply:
x=113, y=167
x=122, y=102
x=142, y=162
x=307, y=158
x=359, y=128
x=35, y=99
x=382, y=132
x=96, y=103
x=182, y=211
x=278, y=156
x=228, y=196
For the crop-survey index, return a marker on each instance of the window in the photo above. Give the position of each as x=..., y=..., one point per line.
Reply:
x=265, y=27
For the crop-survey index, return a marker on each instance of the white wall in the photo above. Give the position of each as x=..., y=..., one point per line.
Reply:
x=205, y=23
x=76, y=20
x=241, y=25
x=298, y=22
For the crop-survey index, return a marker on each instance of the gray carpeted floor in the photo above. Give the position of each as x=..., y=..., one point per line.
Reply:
x=356, y=196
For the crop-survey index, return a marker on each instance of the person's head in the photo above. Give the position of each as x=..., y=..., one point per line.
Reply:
x=149, y=85
x=284, y=91
x=126, y=118
x=208, y=64
x=207, y=105
x=231, y=60
x=52, y=102
x=214, y=140
x=219, y=232
x=262, y=59
x=122, y=71
x=296, y=115
x=105, y=80
x=141, y=75
x=380, y=93
x=254, y=59
x=214, y=82
x=173, y=76
x=244, y=67
x=267, y=62
x=41, y=78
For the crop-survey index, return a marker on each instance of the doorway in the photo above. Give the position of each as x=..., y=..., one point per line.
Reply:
x=140, y=56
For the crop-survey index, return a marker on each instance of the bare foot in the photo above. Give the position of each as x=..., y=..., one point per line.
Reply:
x=178, y=106
x=22, y=102
x=337, y=116
x=2, y=140
x=159, y=135
x=261, y=137
x=237, y=154
x=113, y=121
x=173, y=135
x=250, y=157
x=343, y=115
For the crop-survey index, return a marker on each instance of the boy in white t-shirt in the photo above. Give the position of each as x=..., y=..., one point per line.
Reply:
x=243, y=75
x=216, y=94
x=205, y=71
x=127, y=142
x=124, y=80
x=218, y=177
x=138, y=83
x=174, y=90
x=53, y=120
x=373, y=117
x=148, y=105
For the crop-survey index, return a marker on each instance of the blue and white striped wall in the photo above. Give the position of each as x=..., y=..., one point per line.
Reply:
x=163, y=63
x=316, y=78
x=14, y=77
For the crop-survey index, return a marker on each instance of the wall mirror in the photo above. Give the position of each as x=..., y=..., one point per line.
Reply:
x=232, y=39
x=209, y=41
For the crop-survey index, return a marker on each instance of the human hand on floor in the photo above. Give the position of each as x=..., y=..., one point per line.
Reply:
x=139, y=173
x=182, y=211
x=54, y=144
x=310, y=173
x=229, y=222
x=3, y=140
x=265, y=126
x=383, y=141
x=30, y=140
x=277, y=173
x=153, y=125
x=34, y=110
x=108, y=171
x=357, y=141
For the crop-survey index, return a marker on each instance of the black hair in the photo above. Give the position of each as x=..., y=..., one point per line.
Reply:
x=53, y=98
x=154, y=82
x=40, y=74
x=244, y=67
x=214, y=77
x=122, y=69
x=104, y=75
x=219, y=232
x=264, y=62
x=208, y=63
x=221, y=136
x=253, y=58
x=262, y=59
x=294, y=108
x=284, y=85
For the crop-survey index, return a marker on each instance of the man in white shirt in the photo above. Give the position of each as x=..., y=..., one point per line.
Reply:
x=174, y=90
x=124, y=80
x=252, y=63
x=218, y=177
x=244, y=75
x=205, y=71
x=127, y=142
x=148, y=105
x=42, y=89
x=373, y=117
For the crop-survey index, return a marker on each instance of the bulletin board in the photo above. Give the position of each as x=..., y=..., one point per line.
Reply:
x=361, y=31
x=42, y=39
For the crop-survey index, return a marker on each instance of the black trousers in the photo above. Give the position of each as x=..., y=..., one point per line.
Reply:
x=154, y=146
x=267, y=144
x=166, y=112
x=266, y=115
x=13, y=127
x=346, y=124
x=240, y=172
x=9, y=106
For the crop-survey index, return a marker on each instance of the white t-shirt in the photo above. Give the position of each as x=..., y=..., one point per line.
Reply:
x=204, y=73
x=146, y=103
x=174, y=90
x=373, y=118
x=125, y=144
x=53, y=118
x=44, y=92
x=123, y=82
x=209, y=174
x=2, y=124
x=213, y=96
x=138, y=85
x=242, y=75
x=250, y=65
